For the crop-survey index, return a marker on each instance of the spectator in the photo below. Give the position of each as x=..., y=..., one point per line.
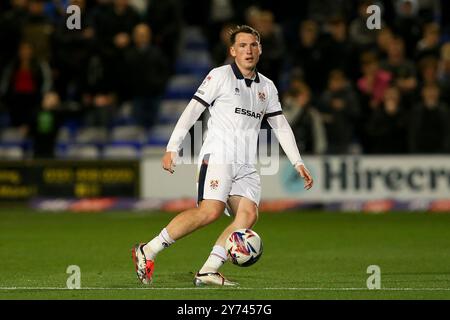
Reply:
x=339, y=44
x=428, y=68
x=374, y=80
x=166, y=35
x=309, y=56
x=387, y=126
x=340, y=111
x=148, y=73
x=270, y=62
x=429, y=45
x=403, y=71
x=114, y=23
x=37, y=30
x=428, y=127
x=11, y=25
x=408, y=24
x=384, y=38
x=305, y=121
x=46, y=125
x=24, y=82
x=360, y=35
x=444, y=73
x=71, y=52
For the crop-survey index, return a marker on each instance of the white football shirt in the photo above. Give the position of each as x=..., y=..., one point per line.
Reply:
x=237, y=107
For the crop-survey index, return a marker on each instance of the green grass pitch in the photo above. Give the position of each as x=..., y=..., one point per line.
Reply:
x=307, y=255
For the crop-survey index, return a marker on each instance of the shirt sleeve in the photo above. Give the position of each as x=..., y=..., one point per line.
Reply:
x=286, y=137
x=187, y=119
x=209, y=89
x=274, y=105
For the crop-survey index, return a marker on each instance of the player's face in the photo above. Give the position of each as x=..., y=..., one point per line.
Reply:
x=246, y=50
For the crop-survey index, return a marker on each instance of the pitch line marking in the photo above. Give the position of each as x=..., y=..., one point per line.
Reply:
x=222, y=288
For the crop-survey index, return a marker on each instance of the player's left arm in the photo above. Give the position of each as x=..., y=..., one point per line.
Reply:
x=287, y=141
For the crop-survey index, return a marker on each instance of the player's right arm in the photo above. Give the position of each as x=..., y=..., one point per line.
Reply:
x=208, y=91
x=187, y=119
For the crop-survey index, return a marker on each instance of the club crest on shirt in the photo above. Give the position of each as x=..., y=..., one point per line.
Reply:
x=262, y=96
x=214, y=184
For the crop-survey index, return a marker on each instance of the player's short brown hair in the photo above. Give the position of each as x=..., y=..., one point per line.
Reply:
x=243, y=29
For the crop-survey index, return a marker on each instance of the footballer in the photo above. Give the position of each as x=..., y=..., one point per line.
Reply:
x=238, y=99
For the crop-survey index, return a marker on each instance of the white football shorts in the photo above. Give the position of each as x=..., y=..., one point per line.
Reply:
x=218, y=181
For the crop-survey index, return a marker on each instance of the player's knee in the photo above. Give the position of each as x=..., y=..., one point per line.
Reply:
x=209, y=215
x=248, y=218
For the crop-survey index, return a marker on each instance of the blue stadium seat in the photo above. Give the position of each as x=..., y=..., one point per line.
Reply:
x=78, y=151
x=182, y=87
x=160, y=135
x=121, y=151
x=128, y=134
x=171, y=110
x=193, y=62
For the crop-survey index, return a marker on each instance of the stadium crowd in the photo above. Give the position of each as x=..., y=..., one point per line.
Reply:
x=344, y=88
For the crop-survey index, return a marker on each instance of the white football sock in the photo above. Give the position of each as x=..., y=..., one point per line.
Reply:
x=216, y=259
x=155, y=246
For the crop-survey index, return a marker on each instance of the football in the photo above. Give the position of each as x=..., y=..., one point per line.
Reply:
x=244, y=247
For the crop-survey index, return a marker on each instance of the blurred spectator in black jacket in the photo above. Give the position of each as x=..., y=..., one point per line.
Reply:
x=165, y=19
x=305, y=120
x=387, y=126
x=148, y=73
x=428, y=126
x=23, y=84
x=340, y=111
x=444, y=73
x=114, y=23
x=384, y=38
x=338, y=43
x=429, y=45
x=408, y=24
x=309, y=56
x=428, y=71
x=11, y=25
x=72, y=50
x=273, y=46
x=403, y=70
x=38, y=29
